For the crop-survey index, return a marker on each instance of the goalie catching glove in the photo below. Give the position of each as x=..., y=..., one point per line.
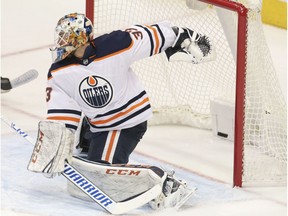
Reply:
x=190, y=46
x=53, y=147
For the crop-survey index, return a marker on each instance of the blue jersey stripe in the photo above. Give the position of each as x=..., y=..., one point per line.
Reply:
x=147, y=107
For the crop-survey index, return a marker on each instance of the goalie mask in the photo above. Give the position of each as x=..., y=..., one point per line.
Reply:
x=72, y=31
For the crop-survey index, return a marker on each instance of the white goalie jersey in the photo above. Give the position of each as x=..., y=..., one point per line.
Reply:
x=101, y=84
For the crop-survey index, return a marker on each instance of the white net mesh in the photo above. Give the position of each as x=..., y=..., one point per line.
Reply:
x=180, y=93
x=265, y=140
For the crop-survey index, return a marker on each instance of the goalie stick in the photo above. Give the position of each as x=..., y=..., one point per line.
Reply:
x=20, y=80
x=91, y=189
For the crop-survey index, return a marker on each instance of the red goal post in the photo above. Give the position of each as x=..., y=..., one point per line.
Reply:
x=241, y=72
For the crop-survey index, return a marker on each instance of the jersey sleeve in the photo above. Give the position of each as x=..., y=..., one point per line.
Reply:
x=149, y=40
x=134, y=43
x=61, y=107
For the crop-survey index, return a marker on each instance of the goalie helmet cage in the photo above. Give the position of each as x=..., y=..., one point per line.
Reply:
x=181, y=93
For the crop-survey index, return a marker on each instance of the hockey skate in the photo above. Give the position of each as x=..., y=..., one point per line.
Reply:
x=175, y=193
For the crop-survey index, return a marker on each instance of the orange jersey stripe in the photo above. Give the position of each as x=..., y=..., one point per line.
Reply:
x=110, y=145
x=156, y=39
x=121, y=113
x=64, y=118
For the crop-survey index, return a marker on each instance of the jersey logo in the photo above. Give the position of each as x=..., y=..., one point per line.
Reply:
x=96, y=91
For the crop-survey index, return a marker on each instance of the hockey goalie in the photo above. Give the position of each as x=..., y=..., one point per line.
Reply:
x=92, y=77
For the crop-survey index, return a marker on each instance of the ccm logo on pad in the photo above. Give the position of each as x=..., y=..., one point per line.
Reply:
x=123, y=172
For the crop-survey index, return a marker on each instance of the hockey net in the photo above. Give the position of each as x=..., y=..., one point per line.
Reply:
x=181, y=93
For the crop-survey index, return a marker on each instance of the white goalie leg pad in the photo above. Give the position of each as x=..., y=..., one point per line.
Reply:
x=120, y=182
x=54, y=144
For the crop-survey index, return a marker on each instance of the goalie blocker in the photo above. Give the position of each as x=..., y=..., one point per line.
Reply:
x=53, y=146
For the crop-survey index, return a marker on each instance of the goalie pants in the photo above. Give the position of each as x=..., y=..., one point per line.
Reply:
x=115, y=146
